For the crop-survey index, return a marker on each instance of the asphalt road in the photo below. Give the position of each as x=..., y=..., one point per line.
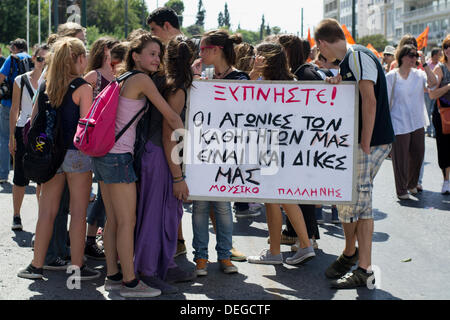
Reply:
x=410, y=252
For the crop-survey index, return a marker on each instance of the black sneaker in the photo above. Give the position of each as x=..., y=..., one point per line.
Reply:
x=86, y=273
x=17, y=224
x=94, y=252
x=57, y=265
x=31, y=272
x=358, y=278
x=341, y=266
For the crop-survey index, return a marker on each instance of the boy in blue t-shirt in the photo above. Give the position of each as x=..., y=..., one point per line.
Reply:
x=19, y=50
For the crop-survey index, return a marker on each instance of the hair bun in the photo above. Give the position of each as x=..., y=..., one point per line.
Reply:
x=236, y=38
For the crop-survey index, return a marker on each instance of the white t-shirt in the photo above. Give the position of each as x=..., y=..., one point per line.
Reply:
x=27, y=101
x=408, y=104
x=362, y=66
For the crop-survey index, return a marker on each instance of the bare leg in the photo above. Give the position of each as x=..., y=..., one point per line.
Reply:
x=48, y=209
x=275, y=224
x=364, y=233
x=79, y=187
x=123, y=200
x=109, y=233
x=295, y=215
x=350, y=238
x=18, y=194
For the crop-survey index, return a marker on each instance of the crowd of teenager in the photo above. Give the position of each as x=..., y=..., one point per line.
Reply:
x=134, y=222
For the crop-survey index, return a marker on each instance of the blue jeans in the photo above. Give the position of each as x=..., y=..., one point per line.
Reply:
x=97, y=214
x=4, y=141
x=58, y=243
x=224, y=229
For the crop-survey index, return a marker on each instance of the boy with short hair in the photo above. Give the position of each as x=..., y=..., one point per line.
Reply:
x=375, y=137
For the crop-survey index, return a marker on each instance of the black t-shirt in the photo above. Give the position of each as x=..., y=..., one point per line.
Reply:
x=237, y=75
x=366, y=62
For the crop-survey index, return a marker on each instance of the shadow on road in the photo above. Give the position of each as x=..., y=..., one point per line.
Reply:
x=7, y=188
x=23, y=238
x=427, y=199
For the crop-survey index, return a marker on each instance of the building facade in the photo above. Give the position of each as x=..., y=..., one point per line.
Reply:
x=394, y=18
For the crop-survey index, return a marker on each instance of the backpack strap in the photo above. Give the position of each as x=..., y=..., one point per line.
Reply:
x=126, y=75
x=24, y=80
x=128, y=125
x=75, y=84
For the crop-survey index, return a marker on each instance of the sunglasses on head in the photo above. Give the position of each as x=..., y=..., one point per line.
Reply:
x=40, y=59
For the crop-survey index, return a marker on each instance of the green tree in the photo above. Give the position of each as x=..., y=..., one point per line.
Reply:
x=178, y=7
x=194, y=30
x=377, y=40
x=276, y=30
x=220, y=20
x=200, y=15
x=261, y=28
x=226, y=17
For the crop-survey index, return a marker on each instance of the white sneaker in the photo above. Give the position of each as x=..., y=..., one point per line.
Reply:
x=265, y=257
x=301, y=256
x=140, y=291
x=404, y=197
x=295, y=246
x=446, y=187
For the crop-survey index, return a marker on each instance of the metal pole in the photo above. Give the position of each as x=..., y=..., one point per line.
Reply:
x=39, y=21
x=302, y=22
x=83, y=13
x=49, y=17
x=28, y=24
x=56, y=15
x=354, y=19
x=126, y=18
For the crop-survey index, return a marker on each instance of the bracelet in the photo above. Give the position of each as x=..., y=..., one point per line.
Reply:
x=197, y=74
x=175, y=178
x=178, y=181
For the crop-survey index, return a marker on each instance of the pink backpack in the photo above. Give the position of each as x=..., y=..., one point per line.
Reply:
x=95, y=134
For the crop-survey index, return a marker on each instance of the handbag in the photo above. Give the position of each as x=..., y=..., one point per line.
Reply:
x=445, y=117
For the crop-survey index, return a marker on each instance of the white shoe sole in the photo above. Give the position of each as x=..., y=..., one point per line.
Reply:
x=201, y=273
x=272, y=262
x=301, y=259
x=30, y=276
x=144, y=294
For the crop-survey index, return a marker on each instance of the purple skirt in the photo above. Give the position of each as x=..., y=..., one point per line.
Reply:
x=158, y=216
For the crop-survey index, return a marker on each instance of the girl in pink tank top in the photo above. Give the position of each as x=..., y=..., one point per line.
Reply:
x=115, y=171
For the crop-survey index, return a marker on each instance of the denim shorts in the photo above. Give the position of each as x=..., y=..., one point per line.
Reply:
x=75, y=162
x=114, y=168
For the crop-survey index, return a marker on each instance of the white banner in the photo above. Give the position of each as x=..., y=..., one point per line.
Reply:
x=280, y=142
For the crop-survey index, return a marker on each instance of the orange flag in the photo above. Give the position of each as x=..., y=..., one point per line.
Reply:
x=348, y=36
x=375, y=52
x=312, y=43
x=422, y=39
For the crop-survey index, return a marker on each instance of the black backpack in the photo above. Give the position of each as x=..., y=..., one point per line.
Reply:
x=45, y=149
x=23, y=65
x=307, y=71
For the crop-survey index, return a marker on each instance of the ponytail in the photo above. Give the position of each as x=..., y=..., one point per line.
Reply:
x=223, y=39
x=178, y=60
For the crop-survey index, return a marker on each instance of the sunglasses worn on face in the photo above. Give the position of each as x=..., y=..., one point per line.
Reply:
x=40, y=59
x=413, y=55
x=446, y=46
x=209, y=47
